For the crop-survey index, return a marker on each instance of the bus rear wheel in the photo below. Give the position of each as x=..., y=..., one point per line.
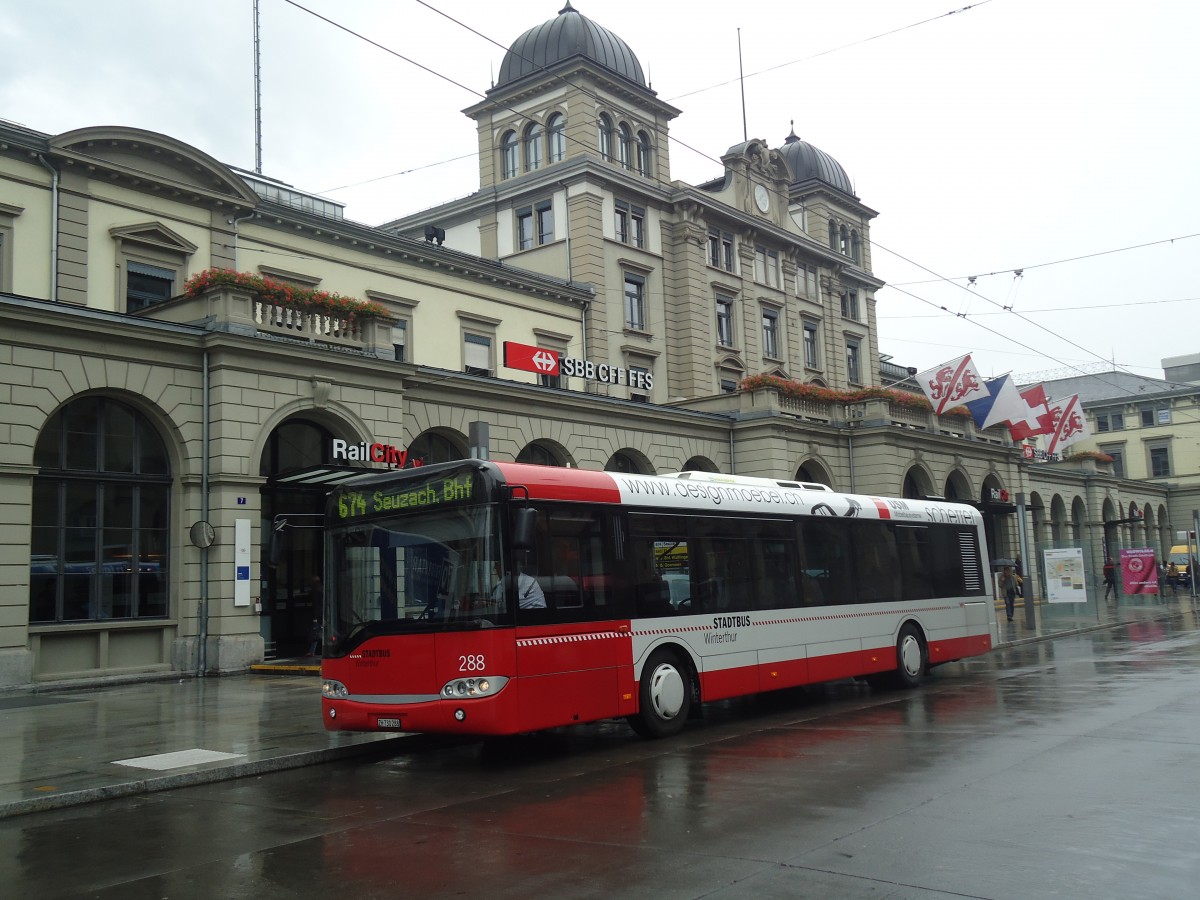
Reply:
x=664, y=696
x=912, y=657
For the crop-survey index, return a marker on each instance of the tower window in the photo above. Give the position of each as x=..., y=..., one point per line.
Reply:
x=556, y=130
x=508, y=155
x=533, y=147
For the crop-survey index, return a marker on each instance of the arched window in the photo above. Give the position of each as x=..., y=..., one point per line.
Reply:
x=101, y=516
x=843, y=241
x=625, y=147
x=606, y=136
x=533, y=147
x=914, y=486
x=556, y=129
x=622, y=462
x=538, y=455
x=854, y=246
x=643, y=154
x=813, y=474
x=432, y=447
x=833, y=235
x=508, y=155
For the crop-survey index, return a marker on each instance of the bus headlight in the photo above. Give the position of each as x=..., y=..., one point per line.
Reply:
x=333, y=690
x=474, y=687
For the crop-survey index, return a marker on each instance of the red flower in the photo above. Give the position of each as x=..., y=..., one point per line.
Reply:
x=797, y=390
x=281, y=293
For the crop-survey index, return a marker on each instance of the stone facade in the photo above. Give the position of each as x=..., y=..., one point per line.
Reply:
x=222, y=377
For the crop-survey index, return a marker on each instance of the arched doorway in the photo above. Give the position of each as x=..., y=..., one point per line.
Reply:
x=958, y=488
x=999, y=518
x=916, y=484
x=290, y=590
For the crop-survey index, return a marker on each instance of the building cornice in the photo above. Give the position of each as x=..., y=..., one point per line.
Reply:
x=385, y=245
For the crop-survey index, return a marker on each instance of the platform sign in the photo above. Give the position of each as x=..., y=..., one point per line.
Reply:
x=1065, y=579
x=530, y=359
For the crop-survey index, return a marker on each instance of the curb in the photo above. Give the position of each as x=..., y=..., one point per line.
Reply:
x=286, y=669
x=188, y=779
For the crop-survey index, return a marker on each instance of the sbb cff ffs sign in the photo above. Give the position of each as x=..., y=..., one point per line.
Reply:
x=548, y=362
x=530, y=359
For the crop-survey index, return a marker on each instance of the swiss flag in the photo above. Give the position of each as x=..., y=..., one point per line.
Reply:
x=1037, y=419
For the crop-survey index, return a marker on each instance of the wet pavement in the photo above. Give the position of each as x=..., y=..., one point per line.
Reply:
x=66, y=747
x=1061, y=768
x=80, y=744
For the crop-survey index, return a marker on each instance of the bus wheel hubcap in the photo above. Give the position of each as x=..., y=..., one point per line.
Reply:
x=910, y=655
x=666, y=691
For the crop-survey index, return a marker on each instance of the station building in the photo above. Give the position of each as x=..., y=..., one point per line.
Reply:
x=152, y=433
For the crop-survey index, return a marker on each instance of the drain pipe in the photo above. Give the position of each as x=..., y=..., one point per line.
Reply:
x=850, y=445
x=53, y=226
x=234, y=222
x=202, y=656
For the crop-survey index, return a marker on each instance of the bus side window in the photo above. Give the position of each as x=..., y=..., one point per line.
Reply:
x=877, y=573
x=577, y=572
x=916, y=561
x=826, y=565
x=778, y=588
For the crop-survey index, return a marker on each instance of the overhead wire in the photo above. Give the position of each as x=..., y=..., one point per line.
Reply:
x=1097, y=376
x=856, y=43
x=1049, y=309
x=1056, y=262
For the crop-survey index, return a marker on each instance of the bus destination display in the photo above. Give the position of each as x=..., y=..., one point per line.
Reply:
x=405, y=497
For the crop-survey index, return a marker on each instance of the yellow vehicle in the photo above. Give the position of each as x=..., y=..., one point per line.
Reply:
x=1179, y=556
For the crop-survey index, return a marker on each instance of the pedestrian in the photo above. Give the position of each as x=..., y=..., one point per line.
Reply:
x=1110, y=577
x=1019, y=569
x=1008, y=586
x=316, y=597
x=314, y=637
x=1173, y=577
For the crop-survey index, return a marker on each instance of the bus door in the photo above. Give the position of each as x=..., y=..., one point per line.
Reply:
x=574, y=656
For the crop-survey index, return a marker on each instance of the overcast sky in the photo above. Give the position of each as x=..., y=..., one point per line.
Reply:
x=1009, y=135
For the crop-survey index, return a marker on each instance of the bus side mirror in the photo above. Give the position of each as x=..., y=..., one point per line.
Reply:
x=524, y=524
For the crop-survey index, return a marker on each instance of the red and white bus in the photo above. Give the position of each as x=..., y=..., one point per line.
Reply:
x=487, y=598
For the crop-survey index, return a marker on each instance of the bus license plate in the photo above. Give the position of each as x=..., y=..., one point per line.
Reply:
x=389, y=723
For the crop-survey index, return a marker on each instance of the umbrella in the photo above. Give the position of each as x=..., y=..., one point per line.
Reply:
x=1002, y=562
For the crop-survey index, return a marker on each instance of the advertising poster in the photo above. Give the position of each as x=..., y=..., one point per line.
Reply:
x=1064, y=575
x=1139, y=575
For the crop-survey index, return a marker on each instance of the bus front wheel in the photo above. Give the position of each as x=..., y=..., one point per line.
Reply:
x=664, y=696
x=912, y=658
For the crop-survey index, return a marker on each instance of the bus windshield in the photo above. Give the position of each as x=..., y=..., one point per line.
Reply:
x=435, y=569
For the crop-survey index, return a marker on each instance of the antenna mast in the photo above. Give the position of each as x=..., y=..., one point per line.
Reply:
x=257, y=98
x=742, y=82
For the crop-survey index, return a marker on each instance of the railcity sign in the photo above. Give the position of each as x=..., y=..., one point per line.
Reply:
x=379, y=453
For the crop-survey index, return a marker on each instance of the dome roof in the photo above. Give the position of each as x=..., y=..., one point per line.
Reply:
x=567, y=35
x=807, y=162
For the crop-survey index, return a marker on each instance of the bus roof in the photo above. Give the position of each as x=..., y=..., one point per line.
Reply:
x=715, y=492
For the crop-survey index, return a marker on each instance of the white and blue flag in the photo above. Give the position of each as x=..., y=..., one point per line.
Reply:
x=1003, y=403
